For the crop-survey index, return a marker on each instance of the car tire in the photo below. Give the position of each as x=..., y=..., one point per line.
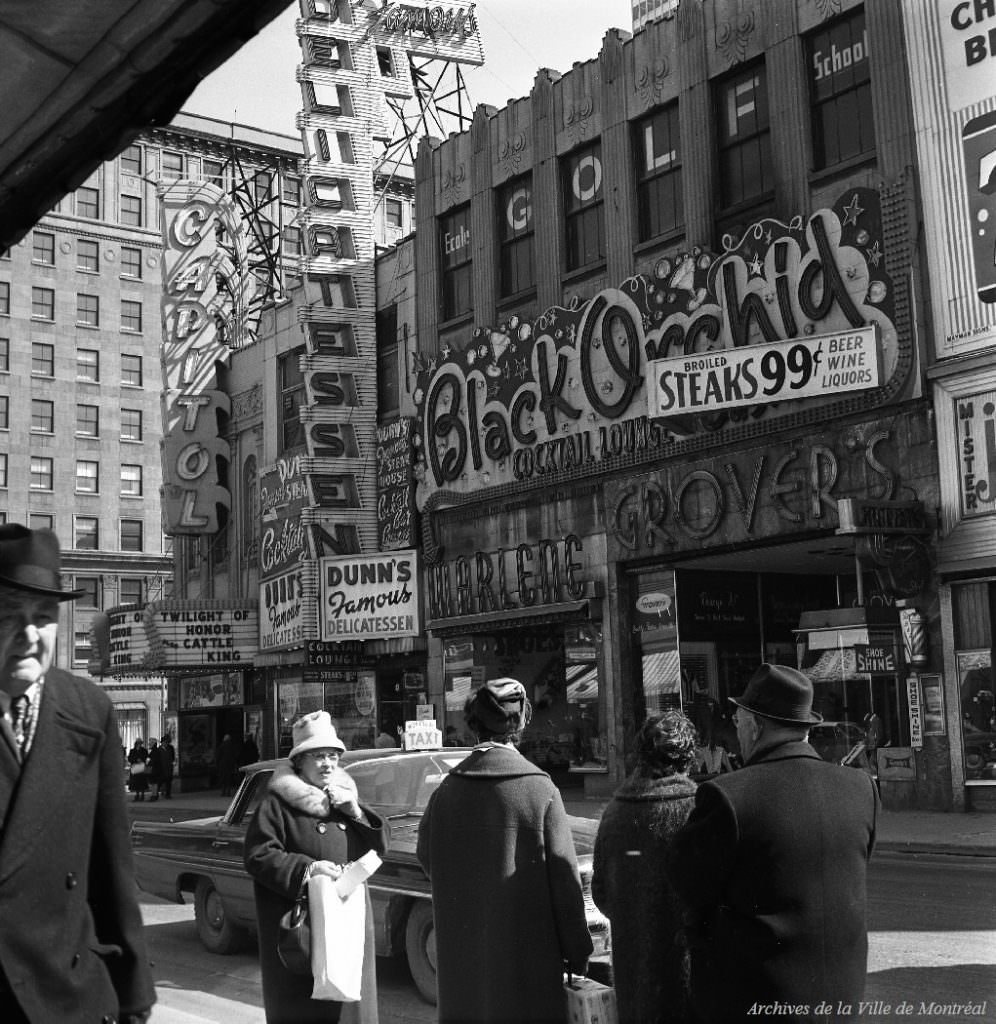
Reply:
x=420, y=948
x=216, y=930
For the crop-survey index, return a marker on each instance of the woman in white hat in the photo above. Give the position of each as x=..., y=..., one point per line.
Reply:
x=309, y=823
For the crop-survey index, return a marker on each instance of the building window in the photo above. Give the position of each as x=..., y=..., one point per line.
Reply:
x=213, y=172
x=4, y=412
x=131, y=480
x=42, y=304
x=3, y=473
x=90, y=585
x=290, y=191
x=88, y=203
x=88, y=420
x=41, y=473
x=584, y=214
x=88, y=364
x=291, y=242
x=745, y=170
x=172, y=164
x=262, y=184
x=840, y=88
x=131, y=262
x=456, y=263
x=131, y=211
x=388, y=382
x=131, y=370
x=659, y=203
x=131, y=535
x=516, y=265
x=131, y=424
x=87, y=476
x=85, y=535
x=88, y=310
x=290, y=381
x=385, y=62
x=394, y=212
x=87, y=255
x=130, y=590
x=4, y=355
x=42, y=359
x=131, y=160
x=4, y=298
x=131, y=315
x=42, y=416
x=41, y=521
x=43, y=248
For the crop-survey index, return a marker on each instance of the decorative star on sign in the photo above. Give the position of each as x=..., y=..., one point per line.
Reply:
x=874, y=255
x=521, y=370
x=446, y=352
x=852, y=211
x=755, y=266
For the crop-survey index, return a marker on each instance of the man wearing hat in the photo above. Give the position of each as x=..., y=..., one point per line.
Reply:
x=71, y=940
x=772, y=867
x=507, y=900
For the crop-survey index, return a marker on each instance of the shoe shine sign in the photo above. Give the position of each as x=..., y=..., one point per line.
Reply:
x=790, y=313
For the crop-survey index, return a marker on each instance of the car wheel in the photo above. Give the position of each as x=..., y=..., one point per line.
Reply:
x=217, y=932
x=420, y=947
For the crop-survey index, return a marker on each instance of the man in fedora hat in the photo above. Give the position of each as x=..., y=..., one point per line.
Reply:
x=772, y=867
x=71, y=940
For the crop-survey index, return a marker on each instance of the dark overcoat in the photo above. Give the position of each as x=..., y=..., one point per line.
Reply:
x=507, y=901
x=773, y=864
x=72, y=948
x=630, y=886
x=294, y=826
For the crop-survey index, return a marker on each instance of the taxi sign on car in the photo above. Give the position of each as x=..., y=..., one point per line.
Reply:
x=422, y=735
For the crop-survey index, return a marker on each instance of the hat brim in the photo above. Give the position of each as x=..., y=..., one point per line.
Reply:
x=316, y=743
x=28, y=588
x=814, y=717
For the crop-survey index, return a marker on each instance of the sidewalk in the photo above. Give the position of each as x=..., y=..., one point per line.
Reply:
x=963, y=834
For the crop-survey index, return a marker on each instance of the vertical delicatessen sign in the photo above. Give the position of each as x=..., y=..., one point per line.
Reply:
x=369, y=597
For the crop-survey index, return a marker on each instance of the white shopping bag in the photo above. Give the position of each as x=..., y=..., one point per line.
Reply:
x=337, y=930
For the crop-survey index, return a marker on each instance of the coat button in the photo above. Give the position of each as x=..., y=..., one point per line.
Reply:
x=76, y=959
x=71, y=881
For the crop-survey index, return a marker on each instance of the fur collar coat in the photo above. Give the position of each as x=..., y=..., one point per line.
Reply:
x=295, y=825
x=629, y=885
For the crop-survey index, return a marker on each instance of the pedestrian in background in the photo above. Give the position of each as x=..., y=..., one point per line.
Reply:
x=772, y=866
x=629, y=884
x=71, y=940
x=169, y=761
x=157, y=768
x=506, y=894
x=309, y=823
x=227, y=764
x=138, y=769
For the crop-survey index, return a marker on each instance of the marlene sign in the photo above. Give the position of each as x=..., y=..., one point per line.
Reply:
x=801, y=368
x=368, y=597
x=196, y=633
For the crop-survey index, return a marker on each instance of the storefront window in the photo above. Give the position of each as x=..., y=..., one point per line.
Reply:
x=559, y=667
x=351, y=702
x=974, y=607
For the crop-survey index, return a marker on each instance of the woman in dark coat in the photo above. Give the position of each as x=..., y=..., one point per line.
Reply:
x=138, y=777
x=506, y=894
x=649, y=957
x=309, y=823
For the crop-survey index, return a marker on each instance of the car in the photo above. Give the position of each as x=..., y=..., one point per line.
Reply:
x=203, y=859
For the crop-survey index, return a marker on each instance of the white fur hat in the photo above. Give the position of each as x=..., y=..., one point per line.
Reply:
x=315, y=731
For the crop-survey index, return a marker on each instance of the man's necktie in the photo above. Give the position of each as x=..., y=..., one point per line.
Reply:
x=19, y=719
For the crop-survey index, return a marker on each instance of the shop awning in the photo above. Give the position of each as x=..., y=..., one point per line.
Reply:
x=79, y=80
x=516, y=618
x=661, y=674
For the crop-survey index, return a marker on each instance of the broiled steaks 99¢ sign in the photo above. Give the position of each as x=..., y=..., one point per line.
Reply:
x=369, y=597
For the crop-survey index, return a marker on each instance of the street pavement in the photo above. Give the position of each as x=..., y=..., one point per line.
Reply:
x=970, y=834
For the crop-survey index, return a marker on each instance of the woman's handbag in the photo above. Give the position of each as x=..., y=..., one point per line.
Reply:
x=294, y=939
x=138, y=768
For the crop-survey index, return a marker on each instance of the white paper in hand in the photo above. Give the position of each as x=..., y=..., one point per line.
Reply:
x=337, y=934
x=357, y=872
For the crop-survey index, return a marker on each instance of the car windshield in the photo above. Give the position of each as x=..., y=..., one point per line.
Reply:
x=403, y=784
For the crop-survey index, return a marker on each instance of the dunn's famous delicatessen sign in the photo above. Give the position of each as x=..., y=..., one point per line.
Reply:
x=368, y=597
